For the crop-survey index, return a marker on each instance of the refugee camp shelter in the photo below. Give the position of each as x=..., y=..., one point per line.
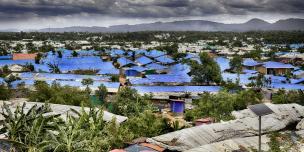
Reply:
x=275, y=68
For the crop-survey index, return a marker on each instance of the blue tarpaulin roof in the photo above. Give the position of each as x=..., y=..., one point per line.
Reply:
x=108, y=71
x=11, y=62
x=6, y=57
x=250, y=62
x=155, y=66
x=80, y=63
x=275, y=79
x=161, y=78
x=169, y=78
x=179, y=69
x=197, y=89
x=244, y=78
x=124, y=61
x=165, y=59
x=297, y=81
x=287, y=86
x=296, y=46
x=2, y=81
x=41, y=68
x=191, y=56
x=137, y=52
x=143, y=60
x=116, y=52
x=155, y=53
x=71, y=77
x=223, y=63
x=138, y=68
x=298, y=72
x=273, y=65
x=249, y=71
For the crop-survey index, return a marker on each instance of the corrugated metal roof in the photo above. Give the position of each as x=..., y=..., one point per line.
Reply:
x=234, y=145
x=245, y=125
x=65, y=109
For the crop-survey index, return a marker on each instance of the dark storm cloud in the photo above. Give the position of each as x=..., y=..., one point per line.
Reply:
x=26, y=9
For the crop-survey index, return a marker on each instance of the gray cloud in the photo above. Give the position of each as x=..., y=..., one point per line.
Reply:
x=149, y=8
x=16, y=10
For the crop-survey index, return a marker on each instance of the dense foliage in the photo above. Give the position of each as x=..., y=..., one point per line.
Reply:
x=57, y=94
x=275, y=37
x=206, y=72
x=285, y=97
x=220, y=106
x=128, y=102
x=5, y=92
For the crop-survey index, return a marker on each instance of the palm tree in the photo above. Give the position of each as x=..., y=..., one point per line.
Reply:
x=87, y=82
x=54, y=68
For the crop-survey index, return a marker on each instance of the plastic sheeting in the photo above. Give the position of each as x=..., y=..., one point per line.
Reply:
x=143, y=60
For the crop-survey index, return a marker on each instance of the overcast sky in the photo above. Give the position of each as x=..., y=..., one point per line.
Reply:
x=35, y=14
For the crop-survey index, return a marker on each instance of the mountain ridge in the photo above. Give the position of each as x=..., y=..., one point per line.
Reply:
x=254, y=24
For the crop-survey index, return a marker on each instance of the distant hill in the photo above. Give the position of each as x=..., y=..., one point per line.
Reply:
x=191, y=25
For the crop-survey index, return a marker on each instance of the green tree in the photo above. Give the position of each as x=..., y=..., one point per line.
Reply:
x=29, y=67
x=286, y=97
x=31, y=47
x=219, y=106
x=102, y=92
x=74, y=54
x=236, y=63
x=57, y=94
x=5, y=92
x=19, y=47
x=38, y=58
x=207, y=72
x=115, y=78
x=4, y=71
x=87, y=82
x=146, y=124
x=54, y=68
x=128, y=102
x=59, y=54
